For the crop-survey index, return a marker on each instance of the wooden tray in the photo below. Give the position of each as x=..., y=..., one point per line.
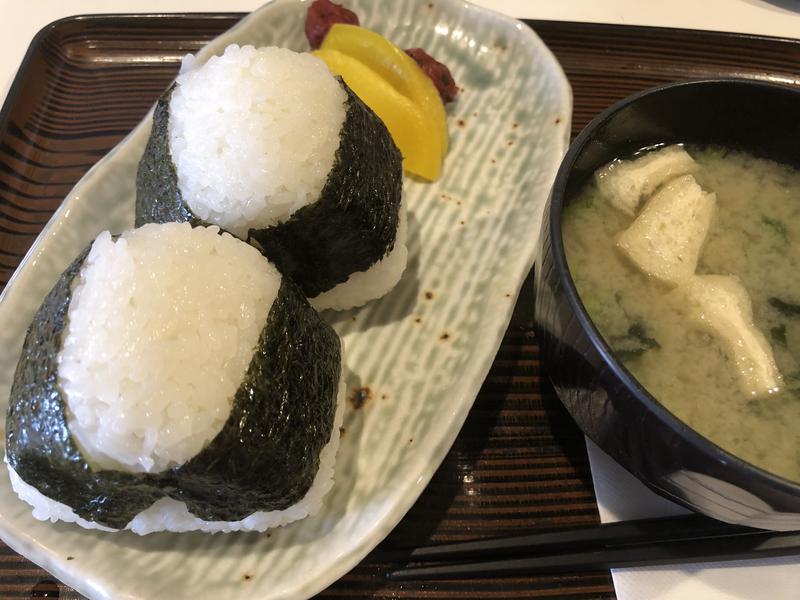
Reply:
x=519, y=462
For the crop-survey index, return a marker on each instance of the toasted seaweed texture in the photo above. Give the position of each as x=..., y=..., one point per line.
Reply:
x=158, y=197
x=264, y=458
x=349, y=228
x=354, y=222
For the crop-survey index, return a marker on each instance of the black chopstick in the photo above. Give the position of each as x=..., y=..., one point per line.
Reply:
x=648, y=542
x=624, y=532
x=668, y=553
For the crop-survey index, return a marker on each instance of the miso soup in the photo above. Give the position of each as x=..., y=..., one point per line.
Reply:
x=754, y=235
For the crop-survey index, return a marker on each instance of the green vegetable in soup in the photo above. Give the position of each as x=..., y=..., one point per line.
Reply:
x=778, y=334
x=634, y=343
x=777, y=226
x=787, y=309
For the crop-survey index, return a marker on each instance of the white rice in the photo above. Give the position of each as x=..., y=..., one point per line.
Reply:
x=160, y=331
x=167, y=514
x=253, y=135
x=375, y=282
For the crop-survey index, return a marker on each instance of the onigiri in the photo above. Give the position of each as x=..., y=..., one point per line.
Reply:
x=174, y=380
x=268, y=145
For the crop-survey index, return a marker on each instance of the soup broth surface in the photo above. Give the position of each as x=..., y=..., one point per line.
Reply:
x=755, y=236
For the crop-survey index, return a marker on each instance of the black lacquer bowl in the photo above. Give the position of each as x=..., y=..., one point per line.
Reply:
x=609, y=405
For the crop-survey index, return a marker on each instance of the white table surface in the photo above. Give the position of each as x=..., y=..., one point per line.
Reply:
x=619, y=495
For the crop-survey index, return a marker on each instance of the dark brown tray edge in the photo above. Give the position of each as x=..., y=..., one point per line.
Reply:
x=663, y=30
x=54, y=26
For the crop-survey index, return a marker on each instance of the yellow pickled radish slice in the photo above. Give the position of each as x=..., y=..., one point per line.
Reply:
x=406, y=123
x=373, y=50
x=394, y=65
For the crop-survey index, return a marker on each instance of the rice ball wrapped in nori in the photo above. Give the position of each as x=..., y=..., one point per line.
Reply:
x=267, y=144
x=173, y=380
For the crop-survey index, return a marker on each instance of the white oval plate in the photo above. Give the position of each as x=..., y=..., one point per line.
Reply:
x=423, y=350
